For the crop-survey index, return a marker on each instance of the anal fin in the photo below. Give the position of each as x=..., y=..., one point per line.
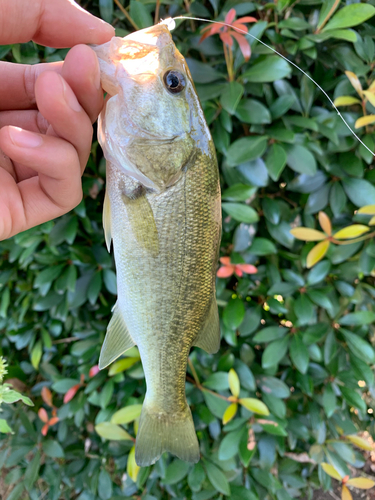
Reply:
x=107, y=223
x=117, y=339
x=209, y=336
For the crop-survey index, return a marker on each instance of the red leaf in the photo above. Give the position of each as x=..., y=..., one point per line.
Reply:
x=94, y=370
x=42, y=414
x=225, y=261
x=238, y=271
x=247, y=19
x=47, y=396
x=45, y=429
x=244, y=45
x=53, y=421
x=226, y=38
x=240, y=26
x=229, y=18
x=225, y=272
x=247, y=268
x=71, y=393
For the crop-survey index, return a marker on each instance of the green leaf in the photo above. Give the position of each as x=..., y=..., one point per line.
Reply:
x=238, y=192
x=319, y=272
x=301, y=160
x=353, y=399
x=36, y=354
x=16, y=492
x=262, y=246
x=217, y=478
x=48, y=275
x=106, y=10
x=303, y=309
x=276, y=161
x=217, y=381
x=215, y=404
x=112, y=431
x=4, y=427
x=270, y=333
x=176, y=471
x=31, y=474
x=53, y=449
x=274, y=352
x=359, y=347
x=231, y=97
x=127, y=414
x=241, y=212
x=359, y=191
x=350, y=15
x=253, y=112
x=246, y=149
x=299, y=354
x=140, y=15
x=329, y=400
x=229, y=446
x=358, y=318
x=104, y=485
x=268, y=69
x=234, y=313
x=201, y=72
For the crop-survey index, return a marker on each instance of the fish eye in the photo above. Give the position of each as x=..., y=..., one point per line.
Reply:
x=174, y=81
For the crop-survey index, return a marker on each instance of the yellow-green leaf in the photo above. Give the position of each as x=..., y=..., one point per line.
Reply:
x=234, y=383
x=255, y=406
x=361, y=482
x=36, y=354
x=127, y=414
x=359, y=441
x=317, y=253
x=368, y=209
x=331, y=471
x=345, y=493
x=325, y=223
x=307, y=234
x=121, y=365
x=132, y=468
x=370, y=96
x=372, y=221
x=346, y=100
x=365, y=120
x=351, y=232
x=114, y=432
x=230, y=413
x=354, y=80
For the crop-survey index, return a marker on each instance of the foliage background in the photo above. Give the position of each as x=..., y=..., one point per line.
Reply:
x=299, y=340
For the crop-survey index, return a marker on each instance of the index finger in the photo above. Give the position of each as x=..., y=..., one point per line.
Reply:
x=55, y=23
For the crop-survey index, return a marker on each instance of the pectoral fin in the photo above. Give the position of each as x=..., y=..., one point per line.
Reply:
x=142, y=220
x=107, y=223
x=209, y=337
x=117, y=340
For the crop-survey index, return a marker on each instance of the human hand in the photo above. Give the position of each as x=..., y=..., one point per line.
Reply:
x=46, y=111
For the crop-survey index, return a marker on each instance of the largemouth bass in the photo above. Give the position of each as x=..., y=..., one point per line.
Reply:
x=162, y=211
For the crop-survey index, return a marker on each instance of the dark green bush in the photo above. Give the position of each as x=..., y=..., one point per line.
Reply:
x=298, y=339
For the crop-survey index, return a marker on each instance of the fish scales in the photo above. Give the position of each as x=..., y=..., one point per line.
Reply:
x=165, y=223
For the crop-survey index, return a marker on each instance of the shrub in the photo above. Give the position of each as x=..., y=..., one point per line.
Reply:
x=281, y=408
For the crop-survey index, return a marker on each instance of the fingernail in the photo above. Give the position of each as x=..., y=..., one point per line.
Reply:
x=24, y=138
x=70, y=98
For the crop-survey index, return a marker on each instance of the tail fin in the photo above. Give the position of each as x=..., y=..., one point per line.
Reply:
x=160, y=432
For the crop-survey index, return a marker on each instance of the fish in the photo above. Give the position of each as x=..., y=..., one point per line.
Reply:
x=162, y=211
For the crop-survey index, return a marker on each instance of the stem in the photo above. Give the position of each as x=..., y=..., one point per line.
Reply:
x=356, y=240
x=126, y=14
x=334, y=7
x=195, y=375
x=228, y=60
x=156, y=18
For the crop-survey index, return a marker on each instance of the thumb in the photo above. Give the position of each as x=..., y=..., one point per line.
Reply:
x=55, y=23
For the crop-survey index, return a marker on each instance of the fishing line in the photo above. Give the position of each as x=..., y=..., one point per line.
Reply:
x=168, y=21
